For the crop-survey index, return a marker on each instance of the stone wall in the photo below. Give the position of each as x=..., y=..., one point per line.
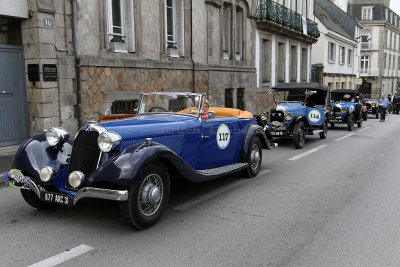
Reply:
x=95, y=81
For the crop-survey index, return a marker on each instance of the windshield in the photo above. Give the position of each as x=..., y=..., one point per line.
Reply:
x=316, y=97
x=346, y=97
x=180, y=103
x=371, y=97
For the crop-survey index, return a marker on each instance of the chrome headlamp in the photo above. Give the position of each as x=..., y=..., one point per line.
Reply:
x=76, y=179
x=56, y=135
x=344, y=110
x=108, y=141
x=289, y=116
x=328, y=109
x=46, y=174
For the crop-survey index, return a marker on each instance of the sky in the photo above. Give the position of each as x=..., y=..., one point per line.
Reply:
x=395, y=6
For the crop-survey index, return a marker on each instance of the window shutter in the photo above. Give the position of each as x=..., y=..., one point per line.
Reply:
x=180, y=30
x=130, y=26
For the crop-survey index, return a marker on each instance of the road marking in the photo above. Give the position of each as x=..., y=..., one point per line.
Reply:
x=308, y=152
x=218, y=192
x=363, y=129
x=62, y=257
x=343, y=137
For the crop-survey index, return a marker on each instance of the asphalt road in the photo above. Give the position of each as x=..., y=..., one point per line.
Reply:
x=336, y=202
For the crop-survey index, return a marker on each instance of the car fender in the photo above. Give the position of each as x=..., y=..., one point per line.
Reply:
x=35, y=153
x=299, y=118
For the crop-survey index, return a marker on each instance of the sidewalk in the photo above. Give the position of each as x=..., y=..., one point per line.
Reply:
x=6, y=157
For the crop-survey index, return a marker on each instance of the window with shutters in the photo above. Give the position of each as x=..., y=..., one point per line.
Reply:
x=121, y=26
x=304, y=64
x=227, y=31
x=293, y=63
x=266, y=60
x=239, y=33
x=174, y=28
x=281, y=63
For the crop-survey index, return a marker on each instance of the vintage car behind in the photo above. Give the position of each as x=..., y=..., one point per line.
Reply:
x=300, y=111
x=345, y=107
x=371, y=102
x=132, y=160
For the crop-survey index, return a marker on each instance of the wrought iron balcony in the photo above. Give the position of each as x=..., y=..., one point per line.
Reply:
x=268, y=10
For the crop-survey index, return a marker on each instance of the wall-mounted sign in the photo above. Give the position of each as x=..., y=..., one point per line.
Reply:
x=358, y=81
x=49, y=72
x=48, y=23
x=33, y=73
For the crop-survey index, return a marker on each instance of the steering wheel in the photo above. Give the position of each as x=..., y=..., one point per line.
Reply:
x=158, y=108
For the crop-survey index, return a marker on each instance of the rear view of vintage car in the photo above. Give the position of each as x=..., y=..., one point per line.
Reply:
x=300, y=111
x=132, y=160
x=345, y=107
x=371, y=102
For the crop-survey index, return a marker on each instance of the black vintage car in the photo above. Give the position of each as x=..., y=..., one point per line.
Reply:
x=371, y=102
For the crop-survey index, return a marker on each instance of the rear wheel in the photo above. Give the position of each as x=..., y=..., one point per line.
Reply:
x=324, y=134
x=254, y=158
x=32, y=199
x=350, y=122
x=299, y=135
x=148, y=197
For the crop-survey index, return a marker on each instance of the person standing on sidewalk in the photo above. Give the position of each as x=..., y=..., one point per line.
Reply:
x=383, y=104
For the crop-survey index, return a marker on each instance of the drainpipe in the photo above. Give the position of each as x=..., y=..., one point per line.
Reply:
x=191, y=45
x=77, y=63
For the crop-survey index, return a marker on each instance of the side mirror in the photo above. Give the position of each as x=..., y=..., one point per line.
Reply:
x=211, y=114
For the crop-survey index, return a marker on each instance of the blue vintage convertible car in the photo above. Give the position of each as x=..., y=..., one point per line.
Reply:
x=345, y=107
x=132, y=160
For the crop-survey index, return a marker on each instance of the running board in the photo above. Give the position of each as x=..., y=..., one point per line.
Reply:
x=223, y=170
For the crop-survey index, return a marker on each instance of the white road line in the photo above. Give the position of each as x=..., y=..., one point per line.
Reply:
x=308, y=152
x=343, y=137
x=363, y=129
x=218, y=192
x=62, y=257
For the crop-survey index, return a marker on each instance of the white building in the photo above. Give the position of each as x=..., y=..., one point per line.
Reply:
x=336, y=54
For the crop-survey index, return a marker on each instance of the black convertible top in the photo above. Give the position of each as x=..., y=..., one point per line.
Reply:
x=345, y=91
x=300, y=86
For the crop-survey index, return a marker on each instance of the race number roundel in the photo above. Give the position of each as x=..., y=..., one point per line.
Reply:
x=314, y=116
x=223, y=136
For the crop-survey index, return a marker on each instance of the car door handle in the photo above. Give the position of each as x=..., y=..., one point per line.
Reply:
x=204, y=137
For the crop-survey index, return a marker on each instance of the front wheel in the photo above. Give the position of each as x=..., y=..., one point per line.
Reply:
x=299, y=135
x=350, y=122
x=254, y=158
x=148, y=197
x=324, y=132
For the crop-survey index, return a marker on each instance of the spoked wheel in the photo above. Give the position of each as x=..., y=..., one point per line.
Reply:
x=148, y=198
x=299, y=135
x=254, y=158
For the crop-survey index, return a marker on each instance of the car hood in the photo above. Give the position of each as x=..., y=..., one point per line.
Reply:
x=149, y=125
x=291, y=107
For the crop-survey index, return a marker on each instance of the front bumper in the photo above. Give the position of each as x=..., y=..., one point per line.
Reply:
x=85, y=192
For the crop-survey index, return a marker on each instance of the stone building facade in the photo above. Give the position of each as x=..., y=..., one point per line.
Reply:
x=380, y=45
x=81, y=57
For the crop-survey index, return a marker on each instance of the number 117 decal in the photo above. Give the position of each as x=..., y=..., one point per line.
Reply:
x=223, y=136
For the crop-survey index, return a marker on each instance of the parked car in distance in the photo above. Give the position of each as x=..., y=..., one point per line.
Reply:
x=345, y=107
x=300, y=111
x=371, y=101
x=132, y=160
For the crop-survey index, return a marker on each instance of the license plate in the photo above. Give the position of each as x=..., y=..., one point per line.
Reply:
x=335, y=120
x=277, y=133
x=56, y=198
